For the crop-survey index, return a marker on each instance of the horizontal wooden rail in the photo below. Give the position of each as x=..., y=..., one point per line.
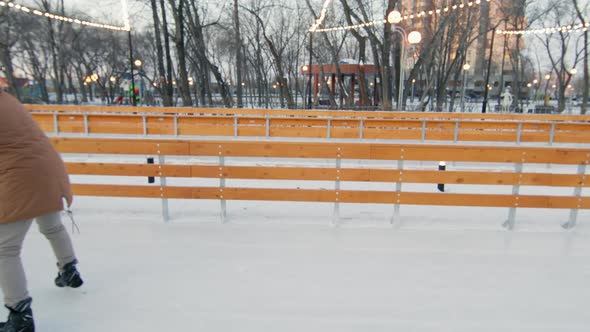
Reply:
x=526, y=130
x=331, y=196
x=304, y=113
x=329, y=174
x=369, y=151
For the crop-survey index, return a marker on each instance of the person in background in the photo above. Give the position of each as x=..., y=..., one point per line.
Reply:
x=33, y=186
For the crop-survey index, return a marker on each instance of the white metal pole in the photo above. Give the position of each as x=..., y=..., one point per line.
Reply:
x=463, y=94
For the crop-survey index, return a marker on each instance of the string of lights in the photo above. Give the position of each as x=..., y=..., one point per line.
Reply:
x=27, y=10
x=322, y=17
x=563, y=29
x=434, y=12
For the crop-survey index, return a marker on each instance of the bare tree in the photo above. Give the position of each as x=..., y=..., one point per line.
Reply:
x=586, y=86
x=178, y=12
x=277, y=52
x=7, y=43
x=238, y=45
x=166, y=100
x=559, y=49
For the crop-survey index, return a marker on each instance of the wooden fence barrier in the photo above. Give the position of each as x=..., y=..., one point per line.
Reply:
x=436, y=127
x=399, y=154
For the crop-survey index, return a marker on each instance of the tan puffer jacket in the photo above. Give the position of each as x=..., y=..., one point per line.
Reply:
x=33, y=178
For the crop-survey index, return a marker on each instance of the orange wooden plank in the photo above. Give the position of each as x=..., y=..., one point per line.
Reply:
x=120, y=146
x=107, y=124
x=206, y=126
x=70, y=123
x=103, y=190
x=45, y=121
x=160, y=125
x=331, y=174
x=297, y=127
x=377, y=151
x=129, y=169
x=319, y=195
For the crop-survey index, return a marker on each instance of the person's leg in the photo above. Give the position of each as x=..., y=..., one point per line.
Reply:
x=12, y=275
x=51, y=226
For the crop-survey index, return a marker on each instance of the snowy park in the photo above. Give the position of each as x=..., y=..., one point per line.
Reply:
x=296, y=166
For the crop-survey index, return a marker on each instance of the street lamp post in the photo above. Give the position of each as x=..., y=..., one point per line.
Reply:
x=466, y=67
x=487, y=89
x=536, y=84
x=413, y=38
x=132, y=90
x=546, y=97
x=138, y=64
x=413, y=83
x=309, y=99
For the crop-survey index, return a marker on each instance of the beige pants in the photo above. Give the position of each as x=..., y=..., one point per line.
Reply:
x=12, y=275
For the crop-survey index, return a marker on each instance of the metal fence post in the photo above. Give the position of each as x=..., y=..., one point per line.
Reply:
x=165, y=211
x=267, y=127
x=362, y=128
x=329, y=128
x=552, y=134
x=398, y=190
x=175, y=125
x=519, y=133
x=55, y=124
x=573, y=219
x=86, y=130
x=144, y=122
x=510, y=222
x=235, y=126
x=423, y=130
x=336, y=216
x=456, y=134
x=223, y=213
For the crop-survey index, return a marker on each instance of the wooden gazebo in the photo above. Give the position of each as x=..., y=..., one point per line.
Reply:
x=356, y=72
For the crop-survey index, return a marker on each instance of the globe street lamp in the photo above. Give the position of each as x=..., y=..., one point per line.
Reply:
x=466, y=67
x=413, y=38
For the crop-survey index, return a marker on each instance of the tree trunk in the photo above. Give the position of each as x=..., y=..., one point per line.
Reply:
x=160, y=56
x=6, y=60
x=586, y=85
x=169, y=85
x=180, y=52
x=238, y=46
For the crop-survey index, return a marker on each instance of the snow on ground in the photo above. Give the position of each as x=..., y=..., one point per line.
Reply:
x=282, y=266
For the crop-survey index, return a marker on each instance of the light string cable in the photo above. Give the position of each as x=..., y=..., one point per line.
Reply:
x=540, y=31
x=27, y=10
x=421, y=14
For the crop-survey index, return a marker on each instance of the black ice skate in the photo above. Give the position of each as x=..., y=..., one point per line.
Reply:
x=69, y=276
x=20, y=318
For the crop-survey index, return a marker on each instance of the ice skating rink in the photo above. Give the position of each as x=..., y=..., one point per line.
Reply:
x=283, y=267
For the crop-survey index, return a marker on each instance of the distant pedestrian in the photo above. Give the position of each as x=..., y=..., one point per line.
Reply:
x=33, y=185
x=507, y=100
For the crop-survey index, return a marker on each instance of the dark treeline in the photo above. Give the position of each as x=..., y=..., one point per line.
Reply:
x=250, y=54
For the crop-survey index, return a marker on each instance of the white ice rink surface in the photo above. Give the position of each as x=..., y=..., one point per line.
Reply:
x=282, y=267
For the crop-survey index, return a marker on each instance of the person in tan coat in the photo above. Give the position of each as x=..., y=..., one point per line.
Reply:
x=34, y=184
